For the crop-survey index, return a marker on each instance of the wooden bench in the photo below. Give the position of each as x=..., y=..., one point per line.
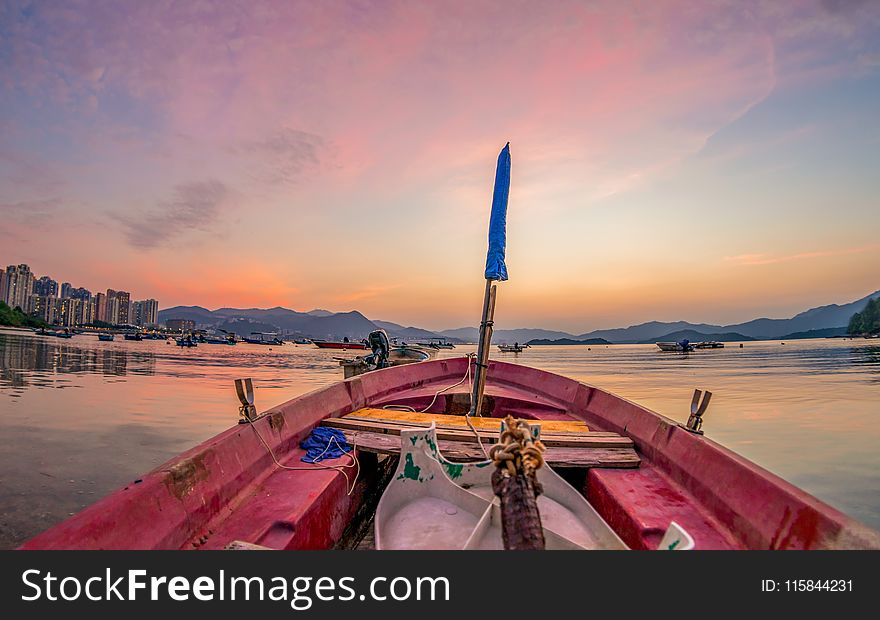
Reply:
x=569, y=442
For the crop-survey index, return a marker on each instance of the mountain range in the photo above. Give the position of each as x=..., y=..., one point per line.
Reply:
x=817, y=322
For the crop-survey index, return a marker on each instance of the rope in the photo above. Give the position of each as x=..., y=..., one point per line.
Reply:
x=340, y=468
x=517, y=452
x=467, y=417
x=466, y=376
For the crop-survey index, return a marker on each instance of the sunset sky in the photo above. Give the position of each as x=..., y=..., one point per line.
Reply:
x=711, y=162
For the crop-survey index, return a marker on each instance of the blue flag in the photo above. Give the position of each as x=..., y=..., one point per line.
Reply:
x=495, y=267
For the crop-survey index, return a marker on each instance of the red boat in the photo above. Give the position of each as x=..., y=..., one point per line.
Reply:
x=334, y=344
x=650, y=472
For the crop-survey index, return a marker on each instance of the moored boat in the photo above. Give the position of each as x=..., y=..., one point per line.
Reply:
x=513, y=348
x=675, y=347
x=265, y=338
x=135, y=336
x=105, y=337
x=384, y=355
x=437, y=343
x=711, y=344
x=339, y=344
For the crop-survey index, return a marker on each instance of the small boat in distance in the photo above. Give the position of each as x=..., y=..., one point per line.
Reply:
x=386, y=352
x=135, y=336
x=711, y=344
x=676, y=347
x=437, y=343
x=187, y=341
x=336, y=344
x=105, y=337
x=301, y=341
x=269, y=338
x=513, y=348
x=64, y=333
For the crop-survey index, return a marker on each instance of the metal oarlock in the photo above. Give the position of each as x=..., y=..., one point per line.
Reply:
x=244, y=388
x=698, y=408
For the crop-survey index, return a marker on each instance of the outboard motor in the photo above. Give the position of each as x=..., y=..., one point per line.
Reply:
x=381, y=346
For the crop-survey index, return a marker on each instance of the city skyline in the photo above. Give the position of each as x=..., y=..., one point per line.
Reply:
x=65, y=305
x=679, y=162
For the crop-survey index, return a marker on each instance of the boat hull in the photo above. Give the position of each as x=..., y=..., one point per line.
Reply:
x=228, y=489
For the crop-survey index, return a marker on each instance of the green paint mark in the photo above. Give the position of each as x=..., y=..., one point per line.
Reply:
x=673, y=545
x=410, y=470
x=413, y=439
x=454, y=470
x=432, y=444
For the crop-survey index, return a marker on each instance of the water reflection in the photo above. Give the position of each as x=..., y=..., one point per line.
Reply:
x=37, y=360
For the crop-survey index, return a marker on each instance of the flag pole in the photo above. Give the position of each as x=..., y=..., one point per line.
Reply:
x=482, y=361
x=496, y=270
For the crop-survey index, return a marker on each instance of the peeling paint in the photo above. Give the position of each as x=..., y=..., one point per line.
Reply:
x=410, y=470
x=183, y=475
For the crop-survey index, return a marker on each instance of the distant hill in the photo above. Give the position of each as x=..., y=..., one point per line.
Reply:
x=567, y=341
x=695, y=336
x=313, y=324
x=829, y=332
x=320, y=323
x=472, y=334
x=822, y=317
x=320, y=312
x=647, y=332
x=408, y=333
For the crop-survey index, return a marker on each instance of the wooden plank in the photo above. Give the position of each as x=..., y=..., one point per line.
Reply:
x=572, y=440
x=488, y=424
x=458, y=420
x=462, y=451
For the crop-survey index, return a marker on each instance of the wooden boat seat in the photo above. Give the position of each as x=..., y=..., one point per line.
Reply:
x=569, y=443
x=425, y=419
x=640, y=505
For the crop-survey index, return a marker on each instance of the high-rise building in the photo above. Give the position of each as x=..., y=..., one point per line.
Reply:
x=89, y=311
x=3, y=285
x=145, y=312
x=112, y=310
x=66, y=287
x=100, y=307
x=43, y=307
x=151, y=311
x=80, y=293
x=19, y=286
x=124, y=298
x=46, y=286
x=66, y=311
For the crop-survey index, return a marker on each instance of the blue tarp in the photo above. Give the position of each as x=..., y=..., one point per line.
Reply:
x=316, y=445
x=495, y=267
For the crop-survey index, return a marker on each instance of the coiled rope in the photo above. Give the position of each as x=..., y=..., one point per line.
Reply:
x=517, y=452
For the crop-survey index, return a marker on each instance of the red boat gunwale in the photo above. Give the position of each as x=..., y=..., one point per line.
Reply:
x=228, y=488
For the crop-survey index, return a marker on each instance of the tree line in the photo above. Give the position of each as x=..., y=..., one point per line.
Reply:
x=16, y=318
x=867, y=321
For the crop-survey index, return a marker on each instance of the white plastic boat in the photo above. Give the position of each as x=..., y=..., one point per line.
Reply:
x=433, y=503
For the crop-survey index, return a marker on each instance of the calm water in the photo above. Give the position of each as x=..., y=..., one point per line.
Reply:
x=82, y=417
